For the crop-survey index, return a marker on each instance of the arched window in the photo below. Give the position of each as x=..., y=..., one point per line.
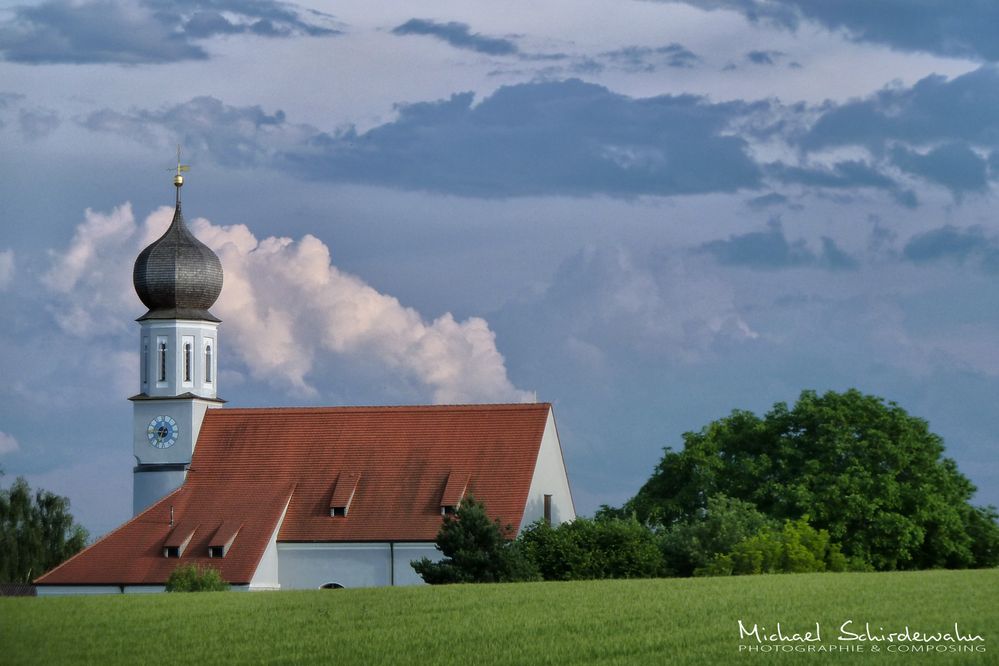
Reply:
x=145, y=361
x=162, y=359
x=187, y=361
x=208, y=363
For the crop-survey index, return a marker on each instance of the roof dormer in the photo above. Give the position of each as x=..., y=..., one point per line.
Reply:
x=179, y=538
x=224, y=536
x=343, y=494
x=454, y=491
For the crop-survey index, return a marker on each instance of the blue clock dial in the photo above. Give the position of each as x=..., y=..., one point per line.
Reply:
x=162, y=432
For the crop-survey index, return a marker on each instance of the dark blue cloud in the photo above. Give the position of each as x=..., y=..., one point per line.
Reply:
x=566, y=137
x=770, y=250
x=846, y=175
x=934, y=109
x=764, y=57
x=458, y=35
x=966, y=28
x=38, y=123
x=557, y=138
x=953, y=165
x=649, y=59
x=950, y=243
x=767, y=200
x=140, y=32
x=834, y=257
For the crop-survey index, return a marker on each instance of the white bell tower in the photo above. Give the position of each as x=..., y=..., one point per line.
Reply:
x=178, y=278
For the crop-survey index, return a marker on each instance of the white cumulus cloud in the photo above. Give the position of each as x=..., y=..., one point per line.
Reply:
x=285, y=308
x=8, y=444
x=6, y=268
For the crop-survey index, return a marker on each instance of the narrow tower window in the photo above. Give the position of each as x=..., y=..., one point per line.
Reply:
x=208, y=363
x=187, y=361
x=162, y=353
x=145, y=361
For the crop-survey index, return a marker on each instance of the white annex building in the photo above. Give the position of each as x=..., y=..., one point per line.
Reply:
x=286, y=498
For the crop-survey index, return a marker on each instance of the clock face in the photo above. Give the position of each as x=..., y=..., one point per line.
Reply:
x=162, y=432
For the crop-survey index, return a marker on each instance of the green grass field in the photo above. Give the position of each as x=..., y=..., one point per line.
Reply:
x=682, y=621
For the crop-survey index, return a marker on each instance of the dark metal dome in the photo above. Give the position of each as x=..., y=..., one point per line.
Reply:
x=177, y=276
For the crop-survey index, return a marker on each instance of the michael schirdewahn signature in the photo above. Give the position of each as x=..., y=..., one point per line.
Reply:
x=853, y=636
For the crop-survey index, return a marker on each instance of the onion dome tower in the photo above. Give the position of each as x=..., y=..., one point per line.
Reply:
x=178, y=278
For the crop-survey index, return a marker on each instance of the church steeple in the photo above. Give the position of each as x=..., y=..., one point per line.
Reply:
x=178, y=278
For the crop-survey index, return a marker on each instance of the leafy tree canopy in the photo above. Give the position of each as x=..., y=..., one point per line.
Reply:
x=863, y=469
x=37, y=532
x=476, y=550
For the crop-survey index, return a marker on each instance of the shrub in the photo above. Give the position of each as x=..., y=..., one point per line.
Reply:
x=587, y=549
x=693, y=544
x=192, y=578
x=797, y=548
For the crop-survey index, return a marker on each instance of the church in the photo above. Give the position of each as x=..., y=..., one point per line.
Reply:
x=294, y=498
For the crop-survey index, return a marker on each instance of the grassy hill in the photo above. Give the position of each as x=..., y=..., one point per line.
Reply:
x=692, y=621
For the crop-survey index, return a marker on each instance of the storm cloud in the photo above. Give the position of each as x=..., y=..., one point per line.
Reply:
x=458, y=35
x=771, y=250
x=137, y=32
x=962, y=29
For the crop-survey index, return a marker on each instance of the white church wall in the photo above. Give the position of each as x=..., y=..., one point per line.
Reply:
x=549, y=478
x=405, y=553
x=65, y=590
x=310, y=565
x=144, y=589
x=267, y=575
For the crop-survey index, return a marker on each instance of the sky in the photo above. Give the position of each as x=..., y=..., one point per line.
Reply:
x=646, y=213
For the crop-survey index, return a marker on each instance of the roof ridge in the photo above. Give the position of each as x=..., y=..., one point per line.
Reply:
x=485, y=406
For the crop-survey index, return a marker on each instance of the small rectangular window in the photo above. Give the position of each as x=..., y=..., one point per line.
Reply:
x=162, y=361
x=208, y=361
x=216, y=551
x=338, y=511
x=448, y=510
x=171, y=551
x=187, y=361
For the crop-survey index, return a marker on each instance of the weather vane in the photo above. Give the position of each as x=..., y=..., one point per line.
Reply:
x=178, y=179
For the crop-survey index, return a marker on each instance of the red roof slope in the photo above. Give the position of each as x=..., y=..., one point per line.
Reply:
x=248, y=462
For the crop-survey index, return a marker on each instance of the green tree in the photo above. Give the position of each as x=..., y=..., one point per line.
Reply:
x=587, y=549
x=796, y=548
x=863, y=469
x=476, y=550
x=37, y=532
x=192, y=578
x=694, y=543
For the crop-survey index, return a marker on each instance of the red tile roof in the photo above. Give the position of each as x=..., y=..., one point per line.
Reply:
x=250, y=463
